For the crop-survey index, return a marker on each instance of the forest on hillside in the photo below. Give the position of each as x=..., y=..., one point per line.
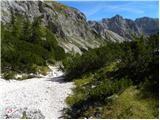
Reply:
x=27, y=47
x=119, y=80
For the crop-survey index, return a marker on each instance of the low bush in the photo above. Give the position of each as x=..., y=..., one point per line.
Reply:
x=108, y=88
x=90, y=60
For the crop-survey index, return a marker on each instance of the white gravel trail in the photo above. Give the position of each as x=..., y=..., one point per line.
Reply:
x=46, y=94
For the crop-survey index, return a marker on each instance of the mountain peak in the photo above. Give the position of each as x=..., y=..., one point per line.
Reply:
x=117, y=17
x=124, y=27
x=146, y=19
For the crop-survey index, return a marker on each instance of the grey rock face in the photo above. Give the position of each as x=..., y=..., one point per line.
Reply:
x=126, y=27
x=147, y=25
x=102, y=31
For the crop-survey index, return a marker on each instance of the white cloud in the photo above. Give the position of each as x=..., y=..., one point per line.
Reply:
x=96, y=9
x=124, y=8
x=114, y=8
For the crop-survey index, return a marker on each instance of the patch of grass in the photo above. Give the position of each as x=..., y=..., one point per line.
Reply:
x=59, y=7
x=129, y=105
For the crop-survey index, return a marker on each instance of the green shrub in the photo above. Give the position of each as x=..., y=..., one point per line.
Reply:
x=9, y=75
x=108, y=88
x=90, y=60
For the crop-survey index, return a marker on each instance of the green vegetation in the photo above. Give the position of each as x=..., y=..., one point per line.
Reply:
x=91, y=60
x=119, y=80
x=59, y=7
x=24, y=115
x=28, y=47
x=9, y=75
x=130, y=105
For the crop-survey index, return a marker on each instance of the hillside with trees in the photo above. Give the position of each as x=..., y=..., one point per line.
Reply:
x=28, y=47
x=113, y=81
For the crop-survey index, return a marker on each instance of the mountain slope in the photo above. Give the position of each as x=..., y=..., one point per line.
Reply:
x=105, y=33
x=68, y=24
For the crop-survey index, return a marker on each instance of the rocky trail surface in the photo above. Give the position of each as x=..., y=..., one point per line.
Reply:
x=34, y=98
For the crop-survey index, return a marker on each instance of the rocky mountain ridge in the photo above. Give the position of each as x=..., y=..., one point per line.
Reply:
x=127, y=27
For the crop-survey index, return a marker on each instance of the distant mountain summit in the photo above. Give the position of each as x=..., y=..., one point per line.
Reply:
x=127, y=27
x=148, y=25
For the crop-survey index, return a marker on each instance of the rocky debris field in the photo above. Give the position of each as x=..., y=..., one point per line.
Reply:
x=35, y=98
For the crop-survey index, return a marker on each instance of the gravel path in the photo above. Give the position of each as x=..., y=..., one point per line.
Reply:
x=38, y=97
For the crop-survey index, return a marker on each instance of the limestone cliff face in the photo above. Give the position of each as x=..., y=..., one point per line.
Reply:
x=106, y=34
x=68, y=24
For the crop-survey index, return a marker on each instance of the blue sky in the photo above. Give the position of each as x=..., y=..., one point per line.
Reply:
x=96, y=10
